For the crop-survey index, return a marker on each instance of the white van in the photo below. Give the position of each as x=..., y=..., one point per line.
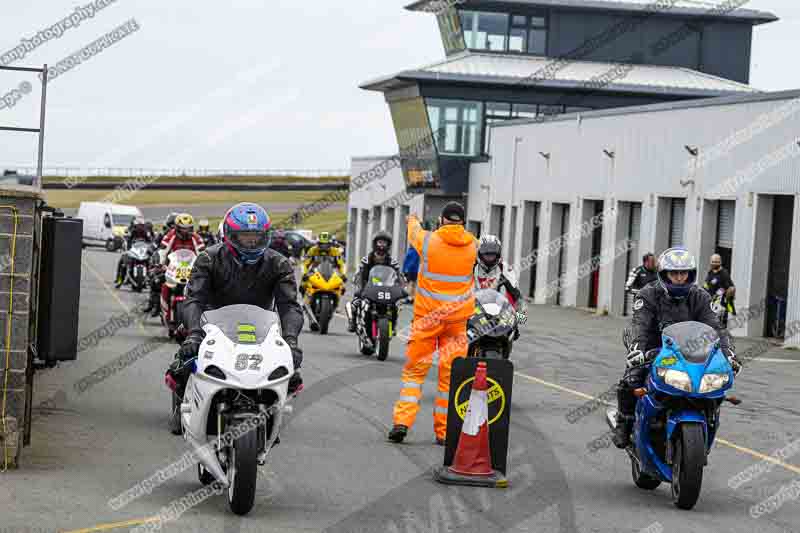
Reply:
x=104, y=224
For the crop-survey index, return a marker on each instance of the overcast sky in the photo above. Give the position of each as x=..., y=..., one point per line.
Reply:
x=247, y=83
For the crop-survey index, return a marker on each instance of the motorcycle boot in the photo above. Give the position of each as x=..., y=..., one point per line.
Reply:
x=626, y=406
x=398, y=433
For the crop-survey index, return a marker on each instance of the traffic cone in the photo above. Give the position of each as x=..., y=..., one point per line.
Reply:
x=472, y=464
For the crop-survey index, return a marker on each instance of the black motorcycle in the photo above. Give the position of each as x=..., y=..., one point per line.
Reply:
x=382, y=292
x=490, y=330
x=138, y=259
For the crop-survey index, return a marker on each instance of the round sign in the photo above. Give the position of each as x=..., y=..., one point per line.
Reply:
x=494, y=393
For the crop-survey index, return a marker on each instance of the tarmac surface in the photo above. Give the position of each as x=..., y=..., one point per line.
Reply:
x=334, y=470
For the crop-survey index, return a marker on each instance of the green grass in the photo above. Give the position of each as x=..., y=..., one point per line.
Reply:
x=332, y=220
x=73, y=197
x=211, y=179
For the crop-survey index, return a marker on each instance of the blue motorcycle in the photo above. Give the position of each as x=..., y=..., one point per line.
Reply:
x=677, y=412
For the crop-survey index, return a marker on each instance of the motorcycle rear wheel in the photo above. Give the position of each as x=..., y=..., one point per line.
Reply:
x=175, y=422
x=688, y=461
x=243, y=473
x=643, y=481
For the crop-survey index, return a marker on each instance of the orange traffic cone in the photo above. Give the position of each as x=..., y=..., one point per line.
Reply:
x=472, y=464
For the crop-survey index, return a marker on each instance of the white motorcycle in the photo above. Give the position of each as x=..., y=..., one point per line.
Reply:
x=235, y=399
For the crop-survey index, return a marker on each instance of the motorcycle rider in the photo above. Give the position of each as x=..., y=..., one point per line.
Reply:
x=181, y=236
x=240, y=270
x=280, y=243
x=205, y=233
x=380, y=255
x=642, y=275
x=673, y=298
x=156, y=276
x=137, y=232
x=718, y=280
x=491, y=272
x=323, y=248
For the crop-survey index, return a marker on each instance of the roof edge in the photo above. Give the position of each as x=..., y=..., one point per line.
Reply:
x=756, y=16
x=655, y=108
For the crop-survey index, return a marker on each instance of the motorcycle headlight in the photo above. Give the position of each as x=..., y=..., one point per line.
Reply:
x=675, y=378
x=712, y=382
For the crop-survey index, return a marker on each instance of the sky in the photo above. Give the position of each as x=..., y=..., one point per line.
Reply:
x=244, y=84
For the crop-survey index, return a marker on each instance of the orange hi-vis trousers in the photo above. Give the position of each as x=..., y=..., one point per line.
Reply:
x=450, y=339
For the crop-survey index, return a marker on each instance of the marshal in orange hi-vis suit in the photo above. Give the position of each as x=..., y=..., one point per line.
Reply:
x=443, y=304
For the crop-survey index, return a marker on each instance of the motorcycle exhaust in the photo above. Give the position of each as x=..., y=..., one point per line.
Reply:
x=348, y=310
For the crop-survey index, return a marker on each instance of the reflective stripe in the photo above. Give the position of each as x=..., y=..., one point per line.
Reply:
x=440, y=410
x=410, y=399
x=434, y=276
x=443, y=394
x=463, y=297
x=411, y=385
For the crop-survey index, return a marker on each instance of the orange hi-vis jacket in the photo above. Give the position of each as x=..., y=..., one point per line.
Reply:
x=445, y=280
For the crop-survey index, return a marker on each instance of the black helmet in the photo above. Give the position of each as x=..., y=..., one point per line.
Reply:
x=169, y=223
x=677, y=260
x=489, y=251
x=385, y=247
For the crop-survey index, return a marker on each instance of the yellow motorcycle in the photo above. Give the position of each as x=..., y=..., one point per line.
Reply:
x=324, y=286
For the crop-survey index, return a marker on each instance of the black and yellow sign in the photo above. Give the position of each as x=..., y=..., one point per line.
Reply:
x=500, y=377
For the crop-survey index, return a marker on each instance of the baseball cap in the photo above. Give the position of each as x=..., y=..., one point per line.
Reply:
x=454, y=212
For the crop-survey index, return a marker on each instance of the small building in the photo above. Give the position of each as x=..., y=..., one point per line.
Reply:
x=579, y=199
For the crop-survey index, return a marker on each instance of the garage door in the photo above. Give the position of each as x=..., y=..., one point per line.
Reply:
x=677, y=220
x=635, y=253
x=727, y=216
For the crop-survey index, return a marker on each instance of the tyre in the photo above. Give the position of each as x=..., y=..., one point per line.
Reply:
x=175, y=423
x=365, y=350
x=324, y=317
x=643, y=481
x=384, y=336
x=243, y=472
x=205, y=477
x=688, y=461
x=110, y=246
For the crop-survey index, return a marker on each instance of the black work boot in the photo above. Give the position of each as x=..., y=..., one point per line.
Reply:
x=398, y=433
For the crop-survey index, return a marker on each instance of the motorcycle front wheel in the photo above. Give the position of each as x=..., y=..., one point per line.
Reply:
x=324, y=316
x=688, y=461
x=243, y=473
x=383, y=339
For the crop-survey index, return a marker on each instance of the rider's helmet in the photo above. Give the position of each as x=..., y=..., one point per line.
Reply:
x=202, y=226
x=169, y=222
x=324, y=241
x=489, y=252
x=246, y=231
x=381, y=244
x=184, y=226
x=677, y=259
x=139, y=226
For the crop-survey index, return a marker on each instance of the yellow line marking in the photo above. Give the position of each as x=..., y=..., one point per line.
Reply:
x=729, y=444
x=108, y=289
x=760, y=455
x=115, y=525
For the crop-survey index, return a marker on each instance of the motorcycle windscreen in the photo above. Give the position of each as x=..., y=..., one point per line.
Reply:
x=140, y=248
x=382, y=276
x=492, y=302
x=693, y=340
x=242, y=323
x=326, y=267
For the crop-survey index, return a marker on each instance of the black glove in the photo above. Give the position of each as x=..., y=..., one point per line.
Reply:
x=297, y=353
x=189, y=348
x=734, y=361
